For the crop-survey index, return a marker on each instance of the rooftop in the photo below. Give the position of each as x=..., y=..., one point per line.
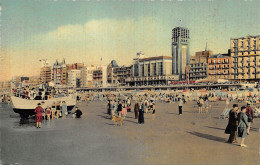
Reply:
x=247, y=36
x=219, y=56
x=155, y=58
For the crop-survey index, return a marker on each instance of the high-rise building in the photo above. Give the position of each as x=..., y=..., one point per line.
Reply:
x=245, y=56
x=59, y=74
x=45, y=75
x=87, y=76
x=180, y=51
x=100, y=76
x=74, y=78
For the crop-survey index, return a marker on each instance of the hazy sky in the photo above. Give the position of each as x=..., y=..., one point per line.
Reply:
x=84, y=31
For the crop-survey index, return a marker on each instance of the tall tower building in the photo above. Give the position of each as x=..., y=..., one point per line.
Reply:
x=180, y=51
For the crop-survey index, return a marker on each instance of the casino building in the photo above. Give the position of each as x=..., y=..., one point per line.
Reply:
x=152, y=71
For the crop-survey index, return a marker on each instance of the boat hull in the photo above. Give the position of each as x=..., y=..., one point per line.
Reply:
x=27, y=107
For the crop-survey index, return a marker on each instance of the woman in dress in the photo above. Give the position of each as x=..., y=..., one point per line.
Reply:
x=64, y=110
x=48, y=113
x=124, y=111
x=242, y=125
x=141, y=113
x=136, y=109
x=38, y=111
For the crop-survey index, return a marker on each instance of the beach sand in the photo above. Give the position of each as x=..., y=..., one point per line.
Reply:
x=189, y=139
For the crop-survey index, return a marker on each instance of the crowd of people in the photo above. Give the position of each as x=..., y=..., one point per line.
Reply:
x=119, y=107
x=57, y=110
x=44, y=92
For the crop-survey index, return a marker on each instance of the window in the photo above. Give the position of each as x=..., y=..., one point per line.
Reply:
x=160, y=68
x=149, y=70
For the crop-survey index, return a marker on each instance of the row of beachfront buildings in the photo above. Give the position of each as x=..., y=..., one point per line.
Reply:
x=240, y=63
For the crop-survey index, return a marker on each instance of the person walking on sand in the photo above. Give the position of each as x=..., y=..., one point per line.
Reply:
x=250, y=115
x=64, y=110
x=53, y=110
x=227, y=102
x=153, y=111
x=124, y=111
x=200, y=104
x=242, y=126
x=119, y=108
x=206, y=103
x=141, y=113
x=113, y=112
x=146, y=105
x=136, y=109
x=109, y=107
x=48, y=113
x=232, y=124
x=38, y=111
x=180, y=106
x=58, y=110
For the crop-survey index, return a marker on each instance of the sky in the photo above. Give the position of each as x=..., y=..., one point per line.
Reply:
x=86, y=31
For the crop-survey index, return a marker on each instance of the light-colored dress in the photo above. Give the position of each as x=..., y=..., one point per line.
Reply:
x=124, y=111
x=64, y=109
x=242, y=125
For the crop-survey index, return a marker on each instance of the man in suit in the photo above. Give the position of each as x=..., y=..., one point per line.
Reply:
x=232, y=124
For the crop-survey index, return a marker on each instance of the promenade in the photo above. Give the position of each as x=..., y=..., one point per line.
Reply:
x=190, y=139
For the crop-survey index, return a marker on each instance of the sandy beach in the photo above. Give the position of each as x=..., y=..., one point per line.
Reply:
x=192, y=138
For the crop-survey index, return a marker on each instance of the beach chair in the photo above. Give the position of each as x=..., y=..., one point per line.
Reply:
x=257, y=111
x=225, y=114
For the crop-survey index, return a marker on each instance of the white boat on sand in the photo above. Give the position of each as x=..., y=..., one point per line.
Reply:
x=26, y=107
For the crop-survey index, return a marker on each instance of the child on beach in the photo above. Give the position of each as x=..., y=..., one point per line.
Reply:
x=53, y=110
x=48, y=112
x=124, y=111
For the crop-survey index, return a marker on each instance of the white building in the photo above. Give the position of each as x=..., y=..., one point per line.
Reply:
x=152, y=71
x=94, y=76
x=74, y=78
x=87, y=76
x=100, y=76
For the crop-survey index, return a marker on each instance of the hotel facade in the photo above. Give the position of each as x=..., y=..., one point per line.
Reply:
x=245, y=53
x=152, y=71
x=219, y=66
